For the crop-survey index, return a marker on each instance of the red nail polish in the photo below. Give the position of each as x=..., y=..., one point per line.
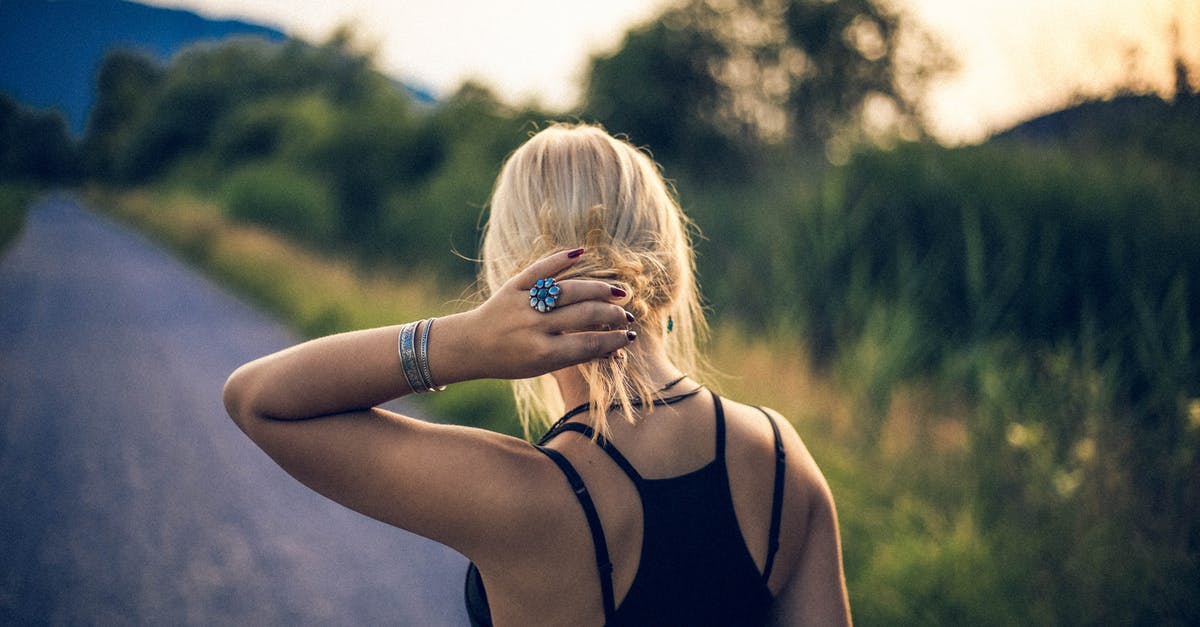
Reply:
x=632, y=335
x=575, y=253
x=618, y=292
x=628, y=317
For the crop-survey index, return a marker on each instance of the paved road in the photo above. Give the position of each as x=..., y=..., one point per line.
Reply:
x=127, y=496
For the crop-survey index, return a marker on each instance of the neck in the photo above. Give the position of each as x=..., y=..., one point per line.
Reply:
x=574, y=389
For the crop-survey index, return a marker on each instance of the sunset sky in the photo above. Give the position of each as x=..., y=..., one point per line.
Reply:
x=1017, y=58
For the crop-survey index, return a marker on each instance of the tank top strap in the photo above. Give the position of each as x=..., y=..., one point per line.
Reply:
x=776, y=498
x=719, y=427
x=599, y=543
x=619, y=459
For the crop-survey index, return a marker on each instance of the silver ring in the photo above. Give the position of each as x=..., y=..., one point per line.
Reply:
x=545, y=294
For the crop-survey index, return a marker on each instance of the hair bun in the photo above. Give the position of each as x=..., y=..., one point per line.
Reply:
x=639, y=273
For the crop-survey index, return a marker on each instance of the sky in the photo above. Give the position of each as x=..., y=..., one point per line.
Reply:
x=1017, y=59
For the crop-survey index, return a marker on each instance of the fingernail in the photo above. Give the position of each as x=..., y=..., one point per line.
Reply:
x=618, y=292
x=632, y=335
x=575, y=253
x=628, y=317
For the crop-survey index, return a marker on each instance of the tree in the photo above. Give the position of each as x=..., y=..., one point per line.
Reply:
x=123, y=85
x=736, y=74
x=657, y=90
x=34, y=145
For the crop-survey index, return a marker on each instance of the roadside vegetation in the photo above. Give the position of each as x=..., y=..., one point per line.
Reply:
x=991, y=350
x=35, y=152
x=14, y=200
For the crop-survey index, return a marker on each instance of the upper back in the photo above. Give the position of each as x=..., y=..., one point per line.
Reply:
x=685, y=510
x=695, y=567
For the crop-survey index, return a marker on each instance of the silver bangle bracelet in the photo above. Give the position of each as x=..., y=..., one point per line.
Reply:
x=407, y=347
x=423, y=359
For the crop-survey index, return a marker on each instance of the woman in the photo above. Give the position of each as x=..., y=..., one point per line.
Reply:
x=653, y=502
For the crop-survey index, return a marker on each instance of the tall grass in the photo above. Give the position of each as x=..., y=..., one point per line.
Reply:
x=1009, y=333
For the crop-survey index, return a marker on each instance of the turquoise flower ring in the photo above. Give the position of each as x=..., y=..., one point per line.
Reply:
x=544, y=295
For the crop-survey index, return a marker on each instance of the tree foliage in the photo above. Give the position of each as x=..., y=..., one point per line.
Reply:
x=122, y=84
x=34, y=145
x=312, y=128
x=711, y=78
x=658, y=89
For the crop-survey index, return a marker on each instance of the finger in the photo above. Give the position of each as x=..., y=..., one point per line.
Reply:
x=577, y=348
x=547, y=266
x=587, y=316
x=579, y=290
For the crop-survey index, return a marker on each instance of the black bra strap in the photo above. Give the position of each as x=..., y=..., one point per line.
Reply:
x=607, y=447
x=776, y=500
x=603, y=563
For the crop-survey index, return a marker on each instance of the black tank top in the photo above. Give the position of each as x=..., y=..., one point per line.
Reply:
x=695, y=568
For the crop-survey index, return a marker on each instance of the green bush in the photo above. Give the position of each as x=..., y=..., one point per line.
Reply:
x=277, y=196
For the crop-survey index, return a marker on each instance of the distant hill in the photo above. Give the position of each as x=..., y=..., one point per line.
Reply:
x=49, y=50
x=1168, y=130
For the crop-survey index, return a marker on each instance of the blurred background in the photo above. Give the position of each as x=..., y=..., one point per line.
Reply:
x=955, y=242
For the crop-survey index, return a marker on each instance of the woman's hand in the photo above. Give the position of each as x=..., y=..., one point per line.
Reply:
x=505, y=338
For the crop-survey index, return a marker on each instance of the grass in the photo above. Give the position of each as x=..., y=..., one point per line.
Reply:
x=14, y=203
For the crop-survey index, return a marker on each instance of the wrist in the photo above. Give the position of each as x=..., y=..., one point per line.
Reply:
x=452, y=354
x=413, y=346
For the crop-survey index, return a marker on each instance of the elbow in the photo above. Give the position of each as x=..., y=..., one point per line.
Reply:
x=238, y=397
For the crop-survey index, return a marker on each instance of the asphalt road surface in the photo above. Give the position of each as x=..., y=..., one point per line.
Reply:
x=126, y=494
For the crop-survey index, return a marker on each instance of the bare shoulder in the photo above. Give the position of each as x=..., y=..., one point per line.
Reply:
x=801, y=464
x=750, y=424
x=809, y=498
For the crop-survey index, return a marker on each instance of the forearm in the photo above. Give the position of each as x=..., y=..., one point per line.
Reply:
x=502, y=338
x=338, y=373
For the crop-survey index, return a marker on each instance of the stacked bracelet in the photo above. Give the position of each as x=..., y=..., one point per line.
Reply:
x=423, y=359
x=414, y=357
x=408, y=356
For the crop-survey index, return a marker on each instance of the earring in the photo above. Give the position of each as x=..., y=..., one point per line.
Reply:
x=670, y=324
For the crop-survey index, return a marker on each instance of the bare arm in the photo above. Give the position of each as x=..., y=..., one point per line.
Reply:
x=815, y=591
x=309, y=408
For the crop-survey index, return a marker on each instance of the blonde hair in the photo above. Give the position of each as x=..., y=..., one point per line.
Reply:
x=576, y=185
